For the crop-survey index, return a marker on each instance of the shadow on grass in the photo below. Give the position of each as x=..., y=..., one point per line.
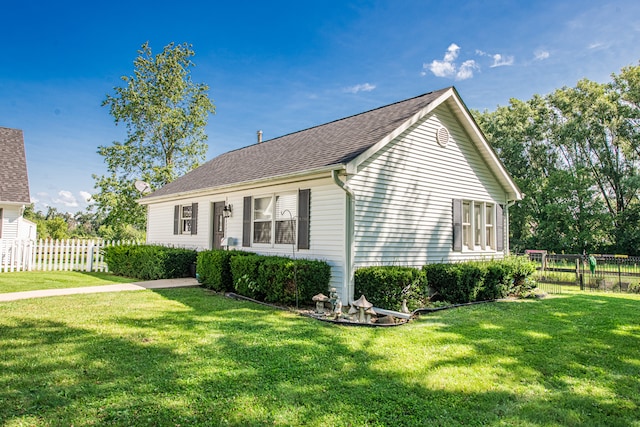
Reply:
x=206, y=360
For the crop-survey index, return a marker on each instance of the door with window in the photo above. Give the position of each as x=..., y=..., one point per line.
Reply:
x=218, y=225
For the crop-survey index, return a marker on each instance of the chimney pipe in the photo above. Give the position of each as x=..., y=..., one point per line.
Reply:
x=259, y=136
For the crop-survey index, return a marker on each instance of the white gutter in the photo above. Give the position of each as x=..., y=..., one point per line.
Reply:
x=506, y=215
x=349, y=230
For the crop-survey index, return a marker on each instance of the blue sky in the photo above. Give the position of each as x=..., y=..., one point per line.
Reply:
x=283, y=66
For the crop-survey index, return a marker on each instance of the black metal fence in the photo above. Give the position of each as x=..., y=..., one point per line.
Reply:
x=612, y=273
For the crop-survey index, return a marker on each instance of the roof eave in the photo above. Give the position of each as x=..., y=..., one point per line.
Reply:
x=147, y=200
x=14, y=203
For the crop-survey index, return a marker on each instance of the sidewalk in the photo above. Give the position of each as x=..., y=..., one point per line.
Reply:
x=135, y=286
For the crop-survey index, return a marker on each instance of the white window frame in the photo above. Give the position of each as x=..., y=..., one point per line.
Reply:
x=186, y=220
x=275, y=217
x=477, y=232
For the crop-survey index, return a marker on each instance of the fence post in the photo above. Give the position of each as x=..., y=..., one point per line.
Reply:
x=90, y=267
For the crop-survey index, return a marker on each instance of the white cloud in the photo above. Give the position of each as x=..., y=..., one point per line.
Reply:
x=365, y=87
x=540, y=54
x=466, y=69
x=452, y=52
x=500, y=61
x=448, y=68
x=86, y=196
x=66, y=198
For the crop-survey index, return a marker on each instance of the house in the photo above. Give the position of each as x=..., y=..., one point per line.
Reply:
x=14, y=189
x=409, y=183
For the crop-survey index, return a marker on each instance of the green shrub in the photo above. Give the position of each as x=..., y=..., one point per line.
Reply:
x=497, y=281
x=387, y=286
x=244, y=271
x=214, y=268
x=277, y=279
x=521, y=268
x=456, y=283
x=149, y=262
x=313, y=277
x=634, y=288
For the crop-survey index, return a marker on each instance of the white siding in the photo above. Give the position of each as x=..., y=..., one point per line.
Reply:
x=404, y=195
x=327, y=224
x=10, y=221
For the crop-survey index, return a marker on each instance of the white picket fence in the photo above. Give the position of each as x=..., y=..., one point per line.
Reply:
x=54, y=255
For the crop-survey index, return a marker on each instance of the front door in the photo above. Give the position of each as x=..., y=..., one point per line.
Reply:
x=218, y=225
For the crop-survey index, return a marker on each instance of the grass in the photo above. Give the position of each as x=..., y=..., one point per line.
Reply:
x=36, y=280
x=186, y=357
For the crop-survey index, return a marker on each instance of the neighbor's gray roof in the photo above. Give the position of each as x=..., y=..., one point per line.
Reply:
x=14, y=181
x=334, y=143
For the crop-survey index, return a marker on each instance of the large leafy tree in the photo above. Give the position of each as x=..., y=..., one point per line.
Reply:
x=575, y=153
x=165, y=114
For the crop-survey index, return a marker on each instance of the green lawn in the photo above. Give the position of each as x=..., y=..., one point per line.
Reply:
x=36, y=280
x=185, y=357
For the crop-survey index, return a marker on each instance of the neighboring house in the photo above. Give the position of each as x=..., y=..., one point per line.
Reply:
x=14, y=189
x=409, y=183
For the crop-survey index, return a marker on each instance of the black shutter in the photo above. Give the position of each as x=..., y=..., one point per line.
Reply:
x=176, y=219
x=499, y=229
x=194, y=218
x=304, y=200
x=246, y=222
x=457, y=224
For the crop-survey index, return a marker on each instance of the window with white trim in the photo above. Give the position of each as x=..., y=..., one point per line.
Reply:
x=274, y=219
x=277, y=219
x=477, y=224
x=185, y=219
x=186, y=214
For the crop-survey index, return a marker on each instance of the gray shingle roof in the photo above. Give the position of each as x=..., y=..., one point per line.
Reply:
x=14, y=181
x=333, y=143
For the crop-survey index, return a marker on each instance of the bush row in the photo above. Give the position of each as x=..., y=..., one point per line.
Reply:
x=149, y=262
x=480, y=281
x=456, y=283
x=265, y=278
x=386, y=287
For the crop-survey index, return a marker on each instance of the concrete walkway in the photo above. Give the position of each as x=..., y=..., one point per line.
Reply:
x=135, y=286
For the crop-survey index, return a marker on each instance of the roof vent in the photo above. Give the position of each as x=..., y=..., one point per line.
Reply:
x=442, y=136
x=259, y=136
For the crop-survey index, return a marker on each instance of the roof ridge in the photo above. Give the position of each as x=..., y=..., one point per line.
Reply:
x=348, y=117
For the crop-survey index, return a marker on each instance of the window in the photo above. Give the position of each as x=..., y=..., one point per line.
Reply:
x=262, y=219
x=277, y=219
x=185, y=219
x=477, y=222
x=274, y=219
x=286, y=219
x=466, y=225
x=488, y=226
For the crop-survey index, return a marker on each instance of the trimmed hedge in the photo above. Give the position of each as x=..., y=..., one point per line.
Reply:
x=455, y=283
x=276, y=279
x=387, y=286
x=149, y=262
x=480, y=281
x=214, y=268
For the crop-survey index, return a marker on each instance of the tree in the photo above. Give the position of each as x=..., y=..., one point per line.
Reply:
x=165, y=114
x=575, y=153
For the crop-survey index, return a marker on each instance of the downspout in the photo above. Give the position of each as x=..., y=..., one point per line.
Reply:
x=506, y=228
x=349, y=230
